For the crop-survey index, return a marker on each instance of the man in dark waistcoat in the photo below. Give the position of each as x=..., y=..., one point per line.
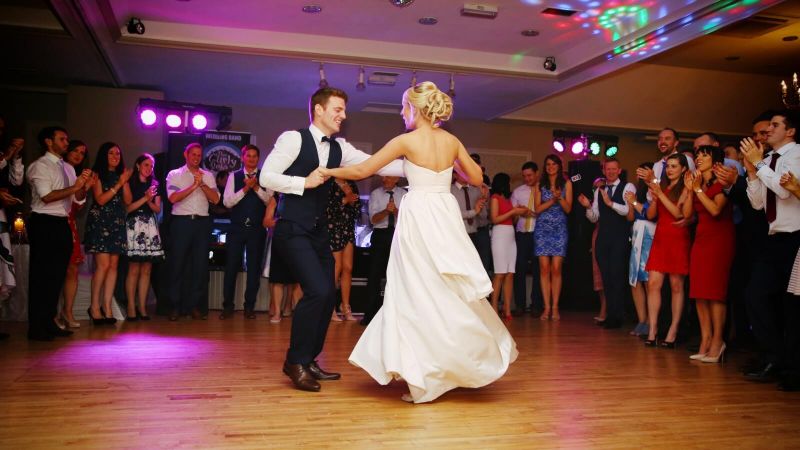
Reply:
x=301, y=236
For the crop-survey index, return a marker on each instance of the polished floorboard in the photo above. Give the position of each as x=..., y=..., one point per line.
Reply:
x=218, y=384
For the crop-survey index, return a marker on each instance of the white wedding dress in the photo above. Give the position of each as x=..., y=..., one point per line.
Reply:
x=435, y=330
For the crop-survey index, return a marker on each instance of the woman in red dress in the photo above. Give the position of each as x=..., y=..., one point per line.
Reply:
x=670, y=251
x=712, y=252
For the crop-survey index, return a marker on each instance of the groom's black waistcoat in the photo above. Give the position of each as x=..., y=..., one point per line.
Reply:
x=308, y=210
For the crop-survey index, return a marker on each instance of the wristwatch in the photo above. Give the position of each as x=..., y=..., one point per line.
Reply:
x=635, y=203
x=698, y=190
x=760, y=164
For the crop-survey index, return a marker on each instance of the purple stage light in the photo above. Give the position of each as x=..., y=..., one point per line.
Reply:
x=577, y=148
x=174, y=121
x=199, y=122
x=558, y=146
x=148, y=117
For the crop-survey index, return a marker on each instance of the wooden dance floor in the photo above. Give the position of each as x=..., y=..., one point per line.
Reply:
x=218, y=384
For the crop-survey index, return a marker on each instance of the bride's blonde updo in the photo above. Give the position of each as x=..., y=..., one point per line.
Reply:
x=431, y=103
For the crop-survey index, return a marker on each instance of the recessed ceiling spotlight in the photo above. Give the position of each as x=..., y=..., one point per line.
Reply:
x=401, y=3
x=312, y=9
x=429, y=21
x=732, y=58
x=789, y=38
x=529, y=33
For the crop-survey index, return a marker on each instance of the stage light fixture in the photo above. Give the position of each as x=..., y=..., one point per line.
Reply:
x=577, y=147
x=199, y=122
x=323, y=82
x=558, y=145
x=173, y=120
x=594, y=147
x=148, y=117
x=360, y=86
x=611, y=151
x=550, y=64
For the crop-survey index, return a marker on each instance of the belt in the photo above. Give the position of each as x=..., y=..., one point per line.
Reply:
x=375, y=230
x=190, y=216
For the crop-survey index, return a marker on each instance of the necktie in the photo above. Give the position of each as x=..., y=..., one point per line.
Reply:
x=467, y=203
x=663, y=168
x=772, y=207
x=65, y=179
x=391, y=215
x=610, y=190
x=529, y=220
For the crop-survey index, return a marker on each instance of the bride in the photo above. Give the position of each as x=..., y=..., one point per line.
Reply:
x=435, y=331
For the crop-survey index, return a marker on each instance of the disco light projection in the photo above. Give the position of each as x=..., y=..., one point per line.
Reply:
x=623, y=20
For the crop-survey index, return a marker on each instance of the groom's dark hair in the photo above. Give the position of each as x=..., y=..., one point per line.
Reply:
x=321, y=98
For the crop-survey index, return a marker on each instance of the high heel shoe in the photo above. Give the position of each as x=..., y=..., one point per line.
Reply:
x=667, y=344
x=110, y=320
x=716, y=359
x=545, y=315
x=100, y=321
x=698, y=356
x=335, y=317
x=348, y=313
x=67, y=322
x=132, y=318
x=651, y=342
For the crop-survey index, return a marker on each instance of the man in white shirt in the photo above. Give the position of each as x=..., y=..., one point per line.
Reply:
x=54, y=187
x=523, y=196
x=190, y=189
x=768, y=302
x=301, y=236
x=384, y=204
x=609, y=211
x=247, y=201
x=668, y=141
x=471, y=202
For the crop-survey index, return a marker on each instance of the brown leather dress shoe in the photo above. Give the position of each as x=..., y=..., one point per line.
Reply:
x=249, y=313
x=301, y=377
x=319, y=374
x=226, y=313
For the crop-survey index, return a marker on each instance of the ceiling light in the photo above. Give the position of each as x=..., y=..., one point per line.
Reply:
x=360, y=86
x=312, y=9
x=529, y=33
x=550, y=63
x=323, y=83
x=148, y=117
x=401, y=3
x=428, y=21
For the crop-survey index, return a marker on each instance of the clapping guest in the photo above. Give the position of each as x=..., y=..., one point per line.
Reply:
x=712, y=251
x=344, y=207
x=669, y=254
x=280, y=279
x=144, y=241
x=504, y=247
x=790, y=182
x=105, y=228
x=642, y=235
x=76, y=153
x=552, y=203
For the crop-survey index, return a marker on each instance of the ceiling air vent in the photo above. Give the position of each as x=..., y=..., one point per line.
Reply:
x=383, y=78
x=478, y=10
x=559, y=12
x=386, y=108
x=752, y=27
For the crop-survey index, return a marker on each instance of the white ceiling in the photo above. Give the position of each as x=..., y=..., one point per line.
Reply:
x=267, y=53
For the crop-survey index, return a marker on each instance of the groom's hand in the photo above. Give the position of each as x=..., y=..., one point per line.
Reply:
x=314, y=179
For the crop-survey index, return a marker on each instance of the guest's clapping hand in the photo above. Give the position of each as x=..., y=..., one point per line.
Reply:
x=753, y=151
x=126, y=175
x=726, y=176
x=605, y=197
x=645, y=174
x=556, y=194
x=630, y=197
x=790, y=182
x=584, y=201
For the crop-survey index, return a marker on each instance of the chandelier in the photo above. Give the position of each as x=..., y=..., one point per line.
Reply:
x=791, y=94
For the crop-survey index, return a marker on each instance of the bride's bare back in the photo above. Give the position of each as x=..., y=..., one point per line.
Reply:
x=432, y=148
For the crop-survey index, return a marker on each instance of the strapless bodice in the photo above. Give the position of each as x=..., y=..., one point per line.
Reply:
x=421, y=179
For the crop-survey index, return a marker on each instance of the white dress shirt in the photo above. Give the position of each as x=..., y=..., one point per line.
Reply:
x=593, y=213
x=520, y=197
x=787, y=217
x=46, y=175
x=231, y=197
x=195, y=203
x=286, y=149
x=457, y=189
x=379, y=199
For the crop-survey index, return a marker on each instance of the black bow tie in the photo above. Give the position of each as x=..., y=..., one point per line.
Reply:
x=325, y=139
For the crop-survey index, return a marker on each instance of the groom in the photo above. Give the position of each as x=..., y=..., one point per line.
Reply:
x=301, y=236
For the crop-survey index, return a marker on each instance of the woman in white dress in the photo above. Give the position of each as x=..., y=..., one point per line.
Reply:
x=435, y=331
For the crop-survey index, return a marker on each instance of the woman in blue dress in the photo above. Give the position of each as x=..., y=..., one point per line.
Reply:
x=552, y=203
x=641, y=240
